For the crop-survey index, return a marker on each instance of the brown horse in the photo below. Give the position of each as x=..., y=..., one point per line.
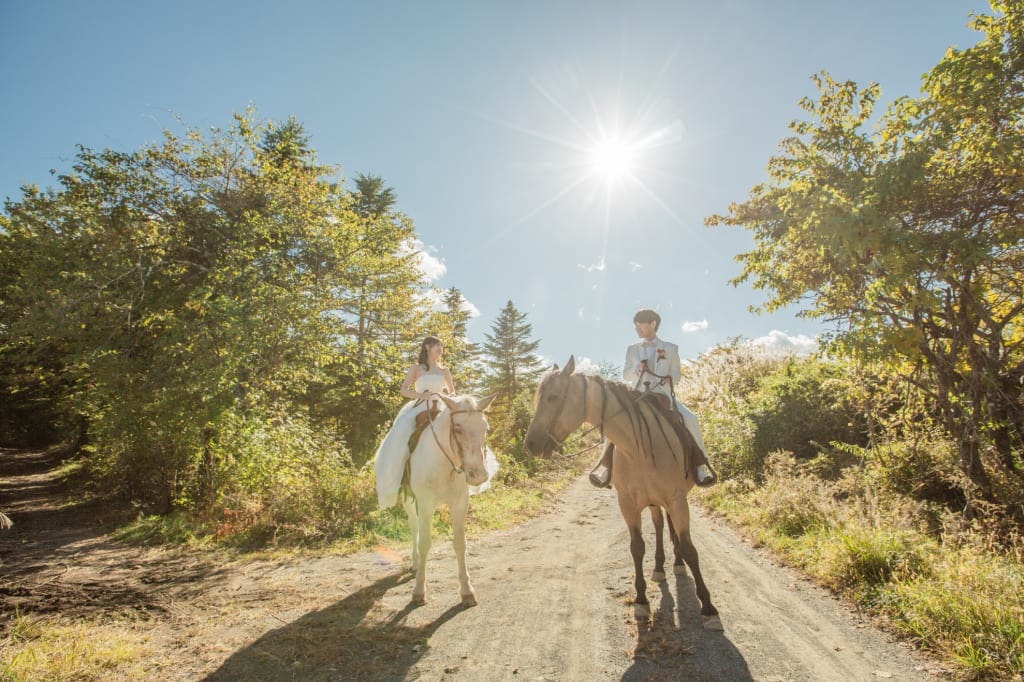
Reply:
x=652, y=460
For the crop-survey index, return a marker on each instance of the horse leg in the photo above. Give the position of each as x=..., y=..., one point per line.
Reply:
x=659, y=543
x=458, y=511
x=681, y=517
x=426, y=516
x=678, y=567
x=410, y=512
x=631, y=515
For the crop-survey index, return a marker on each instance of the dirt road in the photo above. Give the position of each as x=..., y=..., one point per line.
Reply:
x=553, y=605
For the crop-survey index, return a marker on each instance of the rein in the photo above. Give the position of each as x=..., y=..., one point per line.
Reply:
x=604, y=403
x=453, y=442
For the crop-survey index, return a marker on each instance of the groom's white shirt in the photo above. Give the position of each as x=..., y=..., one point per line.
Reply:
x=662, y=361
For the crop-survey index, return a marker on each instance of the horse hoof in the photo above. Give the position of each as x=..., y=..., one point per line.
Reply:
x=469, y=600
x=713, y=623
x=679, y=569
x=419, y=599
x=642, y=611
x=658, y=576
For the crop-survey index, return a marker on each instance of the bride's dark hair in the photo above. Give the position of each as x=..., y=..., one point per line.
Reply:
x=428, y=342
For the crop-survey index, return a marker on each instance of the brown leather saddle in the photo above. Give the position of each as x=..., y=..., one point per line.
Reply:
x=423, y=420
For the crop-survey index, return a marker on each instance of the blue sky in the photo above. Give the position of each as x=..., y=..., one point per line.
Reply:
x=485, y=117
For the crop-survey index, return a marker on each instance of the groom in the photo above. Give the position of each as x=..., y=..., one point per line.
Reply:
x=653, y=365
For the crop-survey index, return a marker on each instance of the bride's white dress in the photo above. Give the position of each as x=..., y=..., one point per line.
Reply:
x=393, y=452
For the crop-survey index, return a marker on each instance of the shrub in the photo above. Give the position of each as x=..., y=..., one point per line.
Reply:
x=861, y=557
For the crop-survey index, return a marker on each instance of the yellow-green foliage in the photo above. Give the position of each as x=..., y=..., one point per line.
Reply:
x=859, y=557
x=789, y=503
x=970, y=605
x=956, y=593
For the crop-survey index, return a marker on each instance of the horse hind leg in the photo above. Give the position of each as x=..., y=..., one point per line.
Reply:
x=709, y=614
x=409, y=504
x=659, y=543
x=678, y=567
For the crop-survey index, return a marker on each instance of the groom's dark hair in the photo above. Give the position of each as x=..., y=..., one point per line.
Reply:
x=647, y=315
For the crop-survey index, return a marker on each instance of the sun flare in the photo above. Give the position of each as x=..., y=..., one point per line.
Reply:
x=613, y=158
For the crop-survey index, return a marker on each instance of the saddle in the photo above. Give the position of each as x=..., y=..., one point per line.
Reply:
x=423, y=420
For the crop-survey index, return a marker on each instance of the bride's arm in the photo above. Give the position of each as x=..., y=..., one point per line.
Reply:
x=408, y=388
x=449, y=384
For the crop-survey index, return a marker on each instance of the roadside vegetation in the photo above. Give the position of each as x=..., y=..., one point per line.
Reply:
x=876, y=515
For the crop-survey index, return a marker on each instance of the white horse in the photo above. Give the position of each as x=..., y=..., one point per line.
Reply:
x=448, y=459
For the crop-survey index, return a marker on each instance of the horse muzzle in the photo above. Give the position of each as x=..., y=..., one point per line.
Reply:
x=476, y=475
x=540, y=445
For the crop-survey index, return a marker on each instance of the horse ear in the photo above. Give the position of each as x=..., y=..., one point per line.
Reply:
x=449, y=402
x=570, y=366
x=484, y=403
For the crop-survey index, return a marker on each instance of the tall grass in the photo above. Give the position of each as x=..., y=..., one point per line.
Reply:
x=955, y=593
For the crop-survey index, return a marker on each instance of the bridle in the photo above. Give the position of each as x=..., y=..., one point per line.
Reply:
x=558, y=442
x=453, y=442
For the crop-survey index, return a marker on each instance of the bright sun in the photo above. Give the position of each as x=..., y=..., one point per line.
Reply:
x=613, y=158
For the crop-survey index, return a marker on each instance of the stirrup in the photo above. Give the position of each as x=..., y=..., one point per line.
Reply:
x=705, y=476
x=601, y=477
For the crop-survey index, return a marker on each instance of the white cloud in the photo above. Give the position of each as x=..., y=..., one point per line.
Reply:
x=432, y=267
x=634, y=266
x=691, y=326
x=781, y=343
x=596, y=267
x=584, y=365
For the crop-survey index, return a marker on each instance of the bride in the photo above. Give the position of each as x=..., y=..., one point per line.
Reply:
x=423, y=383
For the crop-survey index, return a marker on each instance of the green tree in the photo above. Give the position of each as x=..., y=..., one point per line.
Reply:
x=372, y=197
x=909, y=238
x=450, y=325
x=510, y=356
x=383, y=312
x=184, y=297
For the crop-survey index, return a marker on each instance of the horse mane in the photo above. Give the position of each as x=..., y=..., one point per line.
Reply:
x=644, y=416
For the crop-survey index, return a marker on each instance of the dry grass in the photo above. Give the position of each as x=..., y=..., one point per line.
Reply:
x=56, y=648
x=958, y=597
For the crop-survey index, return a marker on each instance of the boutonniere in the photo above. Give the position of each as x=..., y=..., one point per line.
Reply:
x=661, y=354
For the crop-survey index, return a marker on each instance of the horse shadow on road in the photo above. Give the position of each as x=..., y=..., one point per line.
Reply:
x=348, y=640
x=673, y=645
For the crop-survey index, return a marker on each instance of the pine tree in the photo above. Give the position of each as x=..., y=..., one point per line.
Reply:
x=514, y=367
x=460, y=354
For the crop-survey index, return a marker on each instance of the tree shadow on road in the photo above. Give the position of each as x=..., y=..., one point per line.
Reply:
x=673, y=645
x=348, y=640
